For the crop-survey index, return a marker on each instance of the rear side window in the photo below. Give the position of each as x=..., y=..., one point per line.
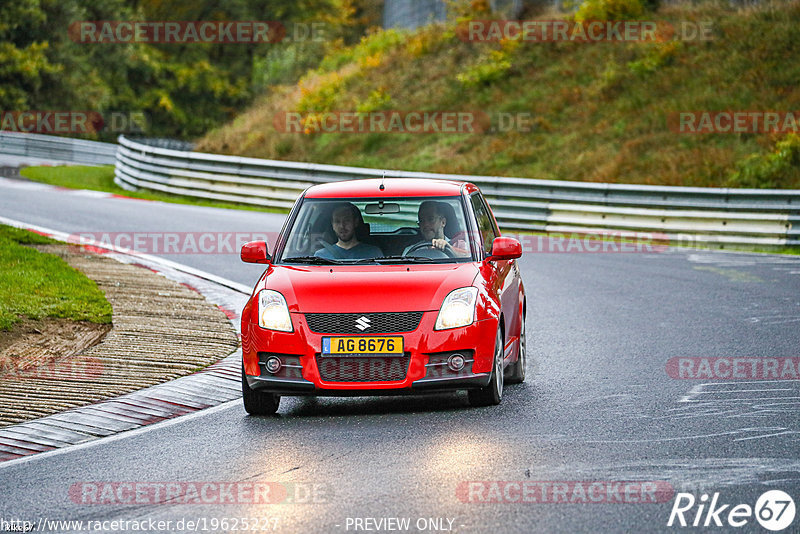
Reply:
x=486, y=226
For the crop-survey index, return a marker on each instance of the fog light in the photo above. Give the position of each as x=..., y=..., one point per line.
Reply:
x=455, y=362
x=273, y=365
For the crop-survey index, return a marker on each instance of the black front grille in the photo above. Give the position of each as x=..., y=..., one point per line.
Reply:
x=377, y=323
x=379, y=369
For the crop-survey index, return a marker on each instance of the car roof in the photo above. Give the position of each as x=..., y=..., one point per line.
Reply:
x=393, y=187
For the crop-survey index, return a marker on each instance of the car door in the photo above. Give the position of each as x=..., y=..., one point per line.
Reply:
x=500, y=275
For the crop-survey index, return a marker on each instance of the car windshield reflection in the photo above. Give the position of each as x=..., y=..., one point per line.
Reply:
x=379, y=231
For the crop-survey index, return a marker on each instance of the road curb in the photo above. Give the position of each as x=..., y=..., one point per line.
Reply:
x=216, y=384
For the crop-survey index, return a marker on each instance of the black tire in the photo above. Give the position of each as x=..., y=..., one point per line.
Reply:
x=492, y=394
x=258, y=402
x=517, y=375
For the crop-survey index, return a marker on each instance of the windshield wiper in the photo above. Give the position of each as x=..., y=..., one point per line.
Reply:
x=410, y=259
x=314, y=260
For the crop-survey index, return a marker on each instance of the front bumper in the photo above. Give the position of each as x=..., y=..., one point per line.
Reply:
x=425, y=349
x=301, y=387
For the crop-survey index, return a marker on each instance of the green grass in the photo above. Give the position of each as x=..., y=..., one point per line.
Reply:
x=38, y=285
x=75, y=177
x=600, y=111
x=102, y=179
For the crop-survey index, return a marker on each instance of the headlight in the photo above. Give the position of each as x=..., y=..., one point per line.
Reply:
x=458, y=309
x=273, y=314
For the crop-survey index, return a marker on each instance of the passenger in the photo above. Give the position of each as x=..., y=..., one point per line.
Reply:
x=346, y=221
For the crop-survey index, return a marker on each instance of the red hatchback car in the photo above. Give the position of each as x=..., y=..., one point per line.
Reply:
x=383, y=287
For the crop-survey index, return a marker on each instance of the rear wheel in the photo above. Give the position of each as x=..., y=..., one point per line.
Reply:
x=492, y=394
x=518, y=369
x=258, y=402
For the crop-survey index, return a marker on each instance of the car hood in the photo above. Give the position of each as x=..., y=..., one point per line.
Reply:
x=367, y=288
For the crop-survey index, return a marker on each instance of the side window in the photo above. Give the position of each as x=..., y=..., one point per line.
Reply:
x=485, y=224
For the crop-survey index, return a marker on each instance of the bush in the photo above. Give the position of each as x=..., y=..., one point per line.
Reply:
x=489, y=67
x=372, y=45
x=377, y=100
x=657, y=56
x=285, y=65
x=609, y=10
x=487, y=70
x=320, y=94
x=770, y=170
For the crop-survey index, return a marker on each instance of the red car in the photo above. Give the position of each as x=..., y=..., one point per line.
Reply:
x=383, y=287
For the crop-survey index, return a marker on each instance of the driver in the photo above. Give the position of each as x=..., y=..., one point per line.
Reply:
x=345, y=220
x=432, y=220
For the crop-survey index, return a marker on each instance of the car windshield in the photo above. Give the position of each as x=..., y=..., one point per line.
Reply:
x=381, y=231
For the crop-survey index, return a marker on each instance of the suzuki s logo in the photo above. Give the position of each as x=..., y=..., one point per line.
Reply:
x=363, y=323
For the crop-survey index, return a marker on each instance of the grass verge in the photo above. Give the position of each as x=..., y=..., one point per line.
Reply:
x=599, y=112
x=102, y=179
x=38, y=285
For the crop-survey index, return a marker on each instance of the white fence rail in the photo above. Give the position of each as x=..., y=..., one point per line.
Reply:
x=689, y=215
x=53, y=148
x=686, y=215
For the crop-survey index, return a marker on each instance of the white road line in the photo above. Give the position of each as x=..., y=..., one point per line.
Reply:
x=698, y=436
x=122, y=435
x=744, y=399
x=716, y=391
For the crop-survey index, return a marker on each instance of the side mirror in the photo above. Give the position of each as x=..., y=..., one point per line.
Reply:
x=505, y=248
x=255, y=252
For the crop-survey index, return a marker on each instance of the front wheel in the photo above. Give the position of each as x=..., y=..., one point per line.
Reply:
x=258, y=402
x=492, y=394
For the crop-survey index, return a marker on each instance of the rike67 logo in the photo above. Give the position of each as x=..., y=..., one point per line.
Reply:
x=774, y=510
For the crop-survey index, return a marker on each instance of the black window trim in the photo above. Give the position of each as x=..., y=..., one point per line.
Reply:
x=492, y=221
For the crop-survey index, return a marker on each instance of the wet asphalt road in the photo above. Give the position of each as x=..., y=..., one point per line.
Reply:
x=598, y=406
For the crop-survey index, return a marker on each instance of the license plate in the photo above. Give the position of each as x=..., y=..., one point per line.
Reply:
x=362, y=346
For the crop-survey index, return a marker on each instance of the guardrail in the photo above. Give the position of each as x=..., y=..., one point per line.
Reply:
x=53, y=148
x=686, y=215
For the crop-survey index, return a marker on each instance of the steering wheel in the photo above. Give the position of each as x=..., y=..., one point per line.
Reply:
x=448, y=251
